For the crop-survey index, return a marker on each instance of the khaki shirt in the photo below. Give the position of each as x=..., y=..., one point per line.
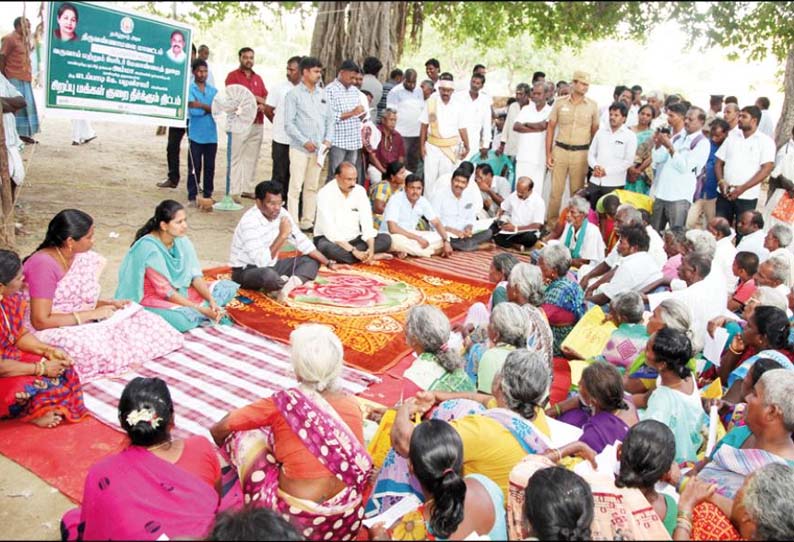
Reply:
x=575, y=122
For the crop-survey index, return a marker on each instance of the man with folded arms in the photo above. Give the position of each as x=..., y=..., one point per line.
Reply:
x=344, y=230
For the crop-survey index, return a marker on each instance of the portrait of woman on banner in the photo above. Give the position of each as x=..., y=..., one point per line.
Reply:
x=67, y=23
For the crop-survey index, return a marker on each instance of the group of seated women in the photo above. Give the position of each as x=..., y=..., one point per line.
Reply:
x=484, y=442
x=58, y=331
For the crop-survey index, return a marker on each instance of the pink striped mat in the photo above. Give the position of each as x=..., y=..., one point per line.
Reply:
x=218, y=369
x=471, y=265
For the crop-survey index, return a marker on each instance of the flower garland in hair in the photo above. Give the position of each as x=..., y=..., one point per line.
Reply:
x=145, y=414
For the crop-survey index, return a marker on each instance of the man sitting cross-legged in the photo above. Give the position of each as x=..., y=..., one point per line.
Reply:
x=521, y=216
x=344, y=230
x=457, y=209
x=401, y=217
x=259, y=236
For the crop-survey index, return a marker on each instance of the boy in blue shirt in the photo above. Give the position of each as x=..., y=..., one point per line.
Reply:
x=202, y=134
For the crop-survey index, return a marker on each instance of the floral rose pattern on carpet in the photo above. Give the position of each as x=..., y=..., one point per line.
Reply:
x=366, y=305
x=355, y=290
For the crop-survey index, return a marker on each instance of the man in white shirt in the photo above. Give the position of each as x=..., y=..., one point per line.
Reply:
x=626, y=215
x=407, y=99
x=493, y=189
x=767, y=124
x=725, y=252
x=625, y=96
x=521, y=216
x=371, y=83
x=531, y=124
x=611, y=153
x=750, y=227
x=778, y=243
x=259, y=236
x=204, y=54
x=743, y=162
x=509, y=137
x=443, y=139
x=655, y=98
x=401, y=217
x=343, y=231
x=680, y=159
x=730, y=114
x=12, y=101
x=781, y=180
x=774, y=273
x=274, y=111
x=637, y=268
x=476, y=113
x=457, y=210
x=704, y=294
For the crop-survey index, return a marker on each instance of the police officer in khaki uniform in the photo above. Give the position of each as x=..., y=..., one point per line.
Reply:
x=576, y=116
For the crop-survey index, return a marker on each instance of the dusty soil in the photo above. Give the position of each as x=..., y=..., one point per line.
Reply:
x=113, y=179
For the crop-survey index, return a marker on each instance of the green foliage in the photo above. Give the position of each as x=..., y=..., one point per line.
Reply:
x=555, y=24
x=206, y=14
x=754, y=28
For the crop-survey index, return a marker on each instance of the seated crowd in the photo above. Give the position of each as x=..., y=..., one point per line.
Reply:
x=682, y=418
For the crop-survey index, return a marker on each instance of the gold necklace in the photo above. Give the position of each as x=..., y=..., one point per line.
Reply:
x=63, y=260
x=150, y=448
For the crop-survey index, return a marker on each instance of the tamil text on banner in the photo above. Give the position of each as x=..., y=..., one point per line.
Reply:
x=104, y=63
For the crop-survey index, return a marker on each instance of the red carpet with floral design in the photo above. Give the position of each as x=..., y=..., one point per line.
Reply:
x=366, y=305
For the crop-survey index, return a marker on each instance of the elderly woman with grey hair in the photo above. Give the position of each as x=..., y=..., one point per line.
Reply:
x=778, y=243
x=749, y=476
x=760, y=511
x=563, y=298
x=304, y=443
x=497, y=438
x=501, y=265
x=581, y=238
x=439, y=365
x=506, y=332
x=525, y=287
x=629, y=339
x=639, y=378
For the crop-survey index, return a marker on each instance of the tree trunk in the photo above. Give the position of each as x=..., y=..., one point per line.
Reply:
x=356, y=30
x=786, y=122
x=7, y=232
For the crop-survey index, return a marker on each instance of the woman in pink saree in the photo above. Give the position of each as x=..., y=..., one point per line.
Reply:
x=105, y=337
x=158, y=488
x=301, y=452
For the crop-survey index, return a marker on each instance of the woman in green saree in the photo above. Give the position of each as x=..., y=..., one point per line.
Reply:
x=439, y=365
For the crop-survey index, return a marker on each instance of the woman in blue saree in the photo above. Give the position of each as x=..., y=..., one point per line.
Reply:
x=161, y=272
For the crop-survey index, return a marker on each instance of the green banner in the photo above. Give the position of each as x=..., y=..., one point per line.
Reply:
x=109, y=64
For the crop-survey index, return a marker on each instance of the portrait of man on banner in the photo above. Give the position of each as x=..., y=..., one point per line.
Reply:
x=177, y=50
